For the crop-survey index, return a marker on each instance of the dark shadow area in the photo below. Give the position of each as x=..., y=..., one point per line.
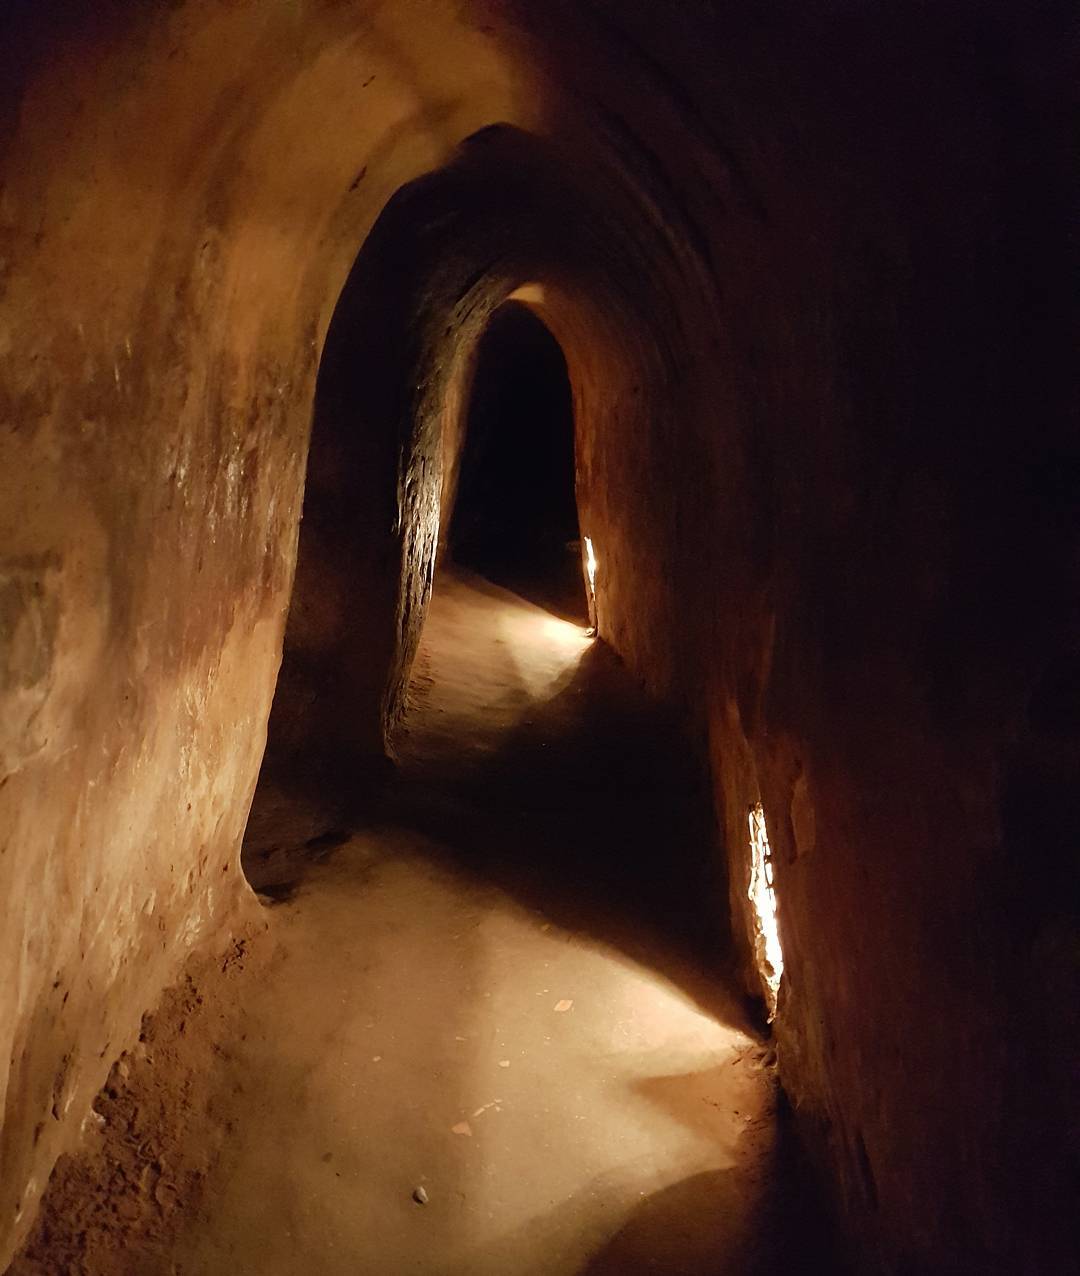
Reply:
x=687, y=1228
x=324, y=753
x=762, y=1216
x=282, y=846
x=515, y=517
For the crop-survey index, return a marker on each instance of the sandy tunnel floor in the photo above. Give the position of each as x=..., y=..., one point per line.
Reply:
x=492, y=997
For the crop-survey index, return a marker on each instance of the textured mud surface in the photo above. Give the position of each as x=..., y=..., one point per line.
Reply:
x=116, y=1206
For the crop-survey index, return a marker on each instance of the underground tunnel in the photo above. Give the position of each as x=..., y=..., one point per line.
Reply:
x=539, y=621
x=515, y=508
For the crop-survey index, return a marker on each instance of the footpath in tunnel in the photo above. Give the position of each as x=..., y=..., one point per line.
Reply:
x=481, y=1033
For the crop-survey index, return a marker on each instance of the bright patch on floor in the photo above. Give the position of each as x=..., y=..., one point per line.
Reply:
x=538, y=1086
x=543, y=650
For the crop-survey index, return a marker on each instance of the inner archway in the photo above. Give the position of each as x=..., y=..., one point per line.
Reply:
x=515, y=519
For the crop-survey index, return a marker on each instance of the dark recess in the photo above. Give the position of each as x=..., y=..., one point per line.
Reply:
x=515, y=520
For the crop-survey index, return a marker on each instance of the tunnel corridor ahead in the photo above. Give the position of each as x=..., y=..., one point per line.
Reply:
x=515, y=518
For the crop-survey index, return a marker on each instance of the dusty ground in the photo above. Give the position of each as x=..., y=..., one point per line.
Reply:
x=503, y=989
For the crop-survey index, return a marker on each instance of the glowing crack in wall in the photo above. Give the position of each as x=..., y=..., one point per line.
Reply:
x=590, y=574
x=762, y=895
x=590, y=564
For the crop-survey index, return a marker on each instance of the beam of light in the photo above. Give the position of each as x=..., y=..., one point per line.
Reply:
x=590, y=564
x=590, y=573
x=763, y=898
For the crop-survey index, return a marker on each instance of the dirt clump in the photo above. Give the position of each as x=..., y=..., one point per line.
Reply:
x=114, y=1206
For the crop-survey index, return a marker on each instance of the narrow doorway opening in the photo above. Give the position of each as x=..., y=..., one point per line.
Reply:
x=515, y=518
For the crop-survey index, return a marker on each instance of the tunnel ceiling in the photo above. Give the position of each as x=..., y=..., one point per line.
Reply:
x=816, y=326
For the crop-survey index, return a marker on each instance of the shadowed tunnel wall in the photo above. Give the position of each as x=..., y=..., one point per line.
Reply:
x=808, y=270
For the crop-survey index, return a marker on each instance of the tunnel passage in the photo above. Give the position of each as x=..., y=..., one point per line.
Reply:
x=808, y=268
x=515, y=514
x=432, y=373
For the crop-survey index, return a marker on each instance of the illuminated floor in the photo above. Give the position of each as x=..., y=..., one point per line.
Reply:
x=492, y=994
x=422, y=1044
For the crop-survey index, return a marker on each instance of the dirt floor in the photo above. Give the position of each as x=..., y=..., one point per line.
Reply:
x=485, y=1029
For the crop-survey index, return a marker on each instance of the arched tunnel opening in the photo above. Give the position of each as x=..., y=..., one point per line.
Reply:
x=537, y=608
x=515, y=509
